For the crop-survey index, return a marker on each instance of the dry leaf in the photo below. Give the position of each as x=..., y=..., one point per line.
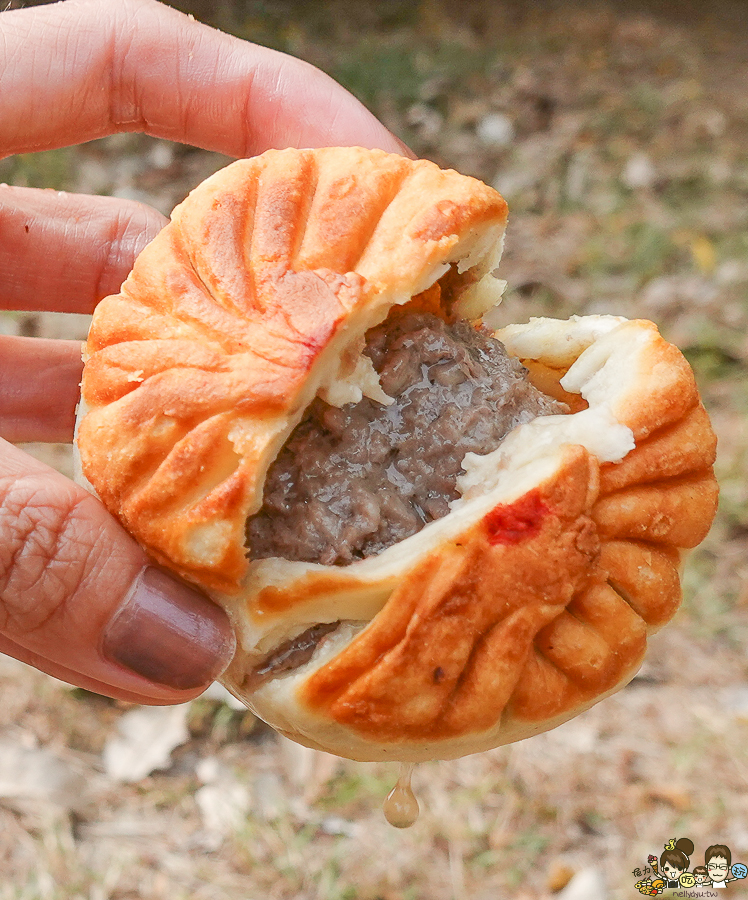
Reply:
x=146, y=738
x=36, y=773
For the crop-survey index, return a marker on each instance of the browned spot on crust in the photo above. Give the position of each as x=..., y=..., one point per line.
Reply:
x=444, y=219
x=272, y=600
x=689, y=445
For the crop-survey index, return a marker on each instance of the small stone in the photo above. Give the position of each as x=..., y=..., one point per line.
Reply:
x=639, y=172
x=208, y=770
x=8, y=324
x=731, y=271
x=426, y=119
x=715, y=122
x=495, y=130
x=38, y=774
x=224, y=806
x=161, y=155
x=338, y=825
x=270, y=800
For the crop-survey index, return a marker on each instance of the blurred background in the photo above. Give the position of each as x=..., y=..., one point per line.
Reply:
x=618, y=133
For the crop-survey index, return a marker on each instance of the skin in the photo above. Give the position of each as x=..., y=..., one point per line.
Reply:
x=72, y=72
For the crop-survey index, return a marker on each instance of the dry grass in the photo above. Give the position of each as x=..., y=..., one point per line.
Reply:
x=626, y=176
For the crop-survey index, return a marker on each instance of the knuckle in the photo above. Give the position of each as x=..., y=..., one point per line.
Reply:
x=42, y=560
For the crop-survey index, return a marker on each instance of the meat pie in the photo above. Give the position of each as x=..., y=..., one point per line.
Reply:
x=431, y=538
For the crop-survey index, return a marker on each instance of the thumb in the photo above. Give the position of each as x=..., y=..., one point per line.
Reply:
x=79, y=600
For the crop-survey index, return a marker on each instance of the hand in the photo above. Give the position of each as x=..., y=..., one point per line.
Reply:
x=78, y=598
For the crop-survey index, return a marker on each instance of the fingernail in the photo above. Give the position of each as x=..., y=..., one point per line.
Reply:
x=169, y=633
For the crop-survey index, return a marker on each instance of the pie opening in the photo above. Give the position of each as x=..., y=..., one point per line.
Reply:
x=353, y=480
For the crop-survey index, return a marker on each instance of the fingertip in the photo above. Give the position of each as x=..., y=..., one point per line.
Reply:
x=403, y=147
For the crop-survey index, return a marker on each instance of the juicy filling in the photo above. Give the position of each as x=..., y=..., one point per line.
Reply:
x=351, y=482
x=290, y=655
x=296, y=652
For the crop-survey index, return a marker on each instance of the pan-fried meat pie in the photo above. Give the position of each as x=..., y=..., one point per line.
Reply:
x=431, y=538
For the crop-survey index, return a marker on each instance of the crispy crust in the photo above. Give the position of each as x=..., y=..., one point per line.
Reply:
x=532, y=599
x=234, y=316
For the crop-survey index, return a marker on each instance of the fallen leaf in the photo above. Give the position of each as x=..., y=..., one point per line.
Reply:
x=146, y=738
x=559, y=876
x=587, y=884
x=36, y=773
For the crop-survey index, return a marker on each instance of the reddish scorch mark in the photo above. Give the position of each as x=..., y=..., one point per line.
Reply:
x=515, y=522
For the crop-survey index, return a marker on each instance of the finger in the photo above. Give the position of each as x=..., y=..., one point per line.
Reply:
x=78, y=597
x=64, y=673
x=39, y=388
x=81, y=69
x=64, y=252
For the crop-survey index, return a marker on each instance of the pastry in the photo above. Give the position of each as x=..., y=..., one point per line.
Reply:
x=431, y=539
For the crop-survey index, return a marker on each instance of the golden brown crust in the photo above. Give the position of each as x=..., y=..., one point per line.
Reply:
x=689, y=445
x=677, y=513
x=532, y=600
x=646, y=576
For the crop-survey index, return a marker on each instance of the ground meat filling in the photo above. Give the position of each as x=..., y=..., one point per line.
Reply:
x=296, y=652
x=290, y=655
x=351, y=482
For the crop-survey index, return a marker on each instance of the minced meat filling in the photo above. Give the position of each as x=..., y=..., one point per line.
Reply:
x=296, y=652
x=290, y=655
x=351, y=482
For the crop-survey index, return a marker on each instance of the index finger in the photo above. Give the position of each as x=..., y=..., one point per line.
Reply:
x=82, y=69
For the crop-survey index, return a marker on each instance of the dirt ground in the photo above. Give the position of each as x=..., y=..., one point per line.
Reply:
x=619, y=135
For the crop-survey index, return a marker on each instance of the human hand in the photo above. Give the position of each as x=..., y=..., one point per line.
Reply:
x=78, y=598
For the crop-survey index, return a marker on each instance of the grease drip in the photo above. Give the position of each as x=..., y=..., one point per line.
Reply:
x=401, y=807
